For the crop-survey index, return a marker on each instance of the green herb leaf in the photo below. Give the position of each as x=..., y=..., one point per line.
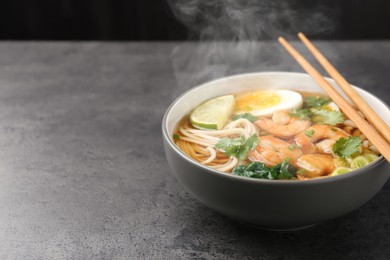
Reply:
x=253, y=170
x=248, y=145
x=329, y=117
x=309, y=133
x=346, y=147
x=320, y=116
x=248, y=116
x=286, y=170
x=315, y=102
x=283, y=170
x=176, y=136
x=230, y=146
x=237, y=147
x=301, y=113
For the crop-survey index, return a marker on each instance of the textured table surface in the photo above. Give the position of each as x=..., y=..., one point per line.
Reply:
x=83, y=174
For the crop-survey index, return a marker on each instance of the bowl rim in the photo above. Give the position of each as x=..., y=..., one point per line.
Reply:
x=320, y=180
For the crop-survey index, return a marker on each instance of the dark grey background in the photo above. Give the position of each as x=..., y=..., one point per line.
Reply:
x=153, y=20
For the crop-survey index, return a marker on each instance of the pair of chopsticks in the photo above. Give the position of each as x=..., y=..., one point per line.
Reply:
x=377, y=132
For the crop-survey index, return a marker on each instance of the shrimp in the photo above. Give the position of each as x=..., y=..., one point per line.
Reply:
x=315, y=165
x=320, y=138
x=272, y=151
x=282, y=124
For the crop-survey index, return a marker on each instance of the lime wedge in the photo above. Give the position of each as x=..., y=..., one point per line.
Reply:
x=213, y=113
x=359, y=162
x=371, y=156
x=340, y=170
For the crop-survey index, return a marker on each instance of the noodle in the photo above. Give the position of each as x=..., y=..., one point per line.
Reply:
x=213, y=155
x=200, y=144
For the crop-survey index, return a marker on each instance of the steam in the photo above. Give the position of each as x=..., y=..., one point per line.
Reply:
x=231, y=30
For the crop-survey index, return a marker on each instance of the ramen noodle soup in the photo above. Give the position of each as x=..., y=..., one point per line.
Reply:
x=274, y=134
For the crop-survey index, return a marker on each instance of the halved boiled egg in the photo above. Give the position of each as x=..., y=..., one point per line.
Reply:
x=265, y=103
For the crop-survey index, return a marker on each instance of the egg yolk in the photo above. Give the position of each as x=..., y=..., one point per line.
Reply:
x=256, y=101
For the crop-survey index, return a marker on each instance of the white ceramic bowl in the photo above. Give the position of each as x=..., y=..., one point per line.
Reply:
x=270, y=204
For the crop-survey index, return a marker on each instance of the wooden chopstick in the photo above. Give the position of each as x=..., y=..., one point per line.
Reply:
x=369, y=131
x=367, y=111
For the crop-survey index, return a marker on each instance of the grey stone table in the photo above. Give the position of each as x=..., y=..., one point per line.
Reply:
x=82, y=169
